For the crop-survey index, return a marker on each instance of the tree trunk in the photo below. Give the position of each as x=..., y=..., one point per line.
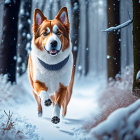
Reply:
x=9, y=40
x=113, y=49
x=43, y=5
x=136, y=46
x=75, y=6
x=50, y=11
x=24, y=36
x=59, y=4
x=87, y=40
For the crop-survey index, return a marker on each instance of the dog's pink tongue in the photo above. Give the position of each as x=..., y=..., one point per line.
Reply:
x=53, y=51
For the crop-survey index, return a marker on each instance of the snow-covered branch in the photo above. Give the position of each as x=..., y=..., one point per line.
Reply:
x=138, y=75
x=119, y=26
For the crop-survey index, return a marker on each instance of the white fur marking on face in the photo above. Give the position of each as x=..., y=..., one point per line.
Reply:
x=38, y=19
x=48, y=30
x=46, y=57
x=44, y=95
x=56, y=111
x=55, y=28
x=50, y=39
x=63, y=17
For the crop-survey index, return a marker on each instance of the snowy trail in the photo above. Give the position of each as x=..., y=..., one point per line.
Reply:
x=45, y=129
x=65, y=129
x=79, y=109
x=84, y=107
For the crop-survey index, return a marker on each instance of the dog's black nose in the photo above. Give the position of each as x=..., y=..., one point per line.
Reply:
x=54, y=43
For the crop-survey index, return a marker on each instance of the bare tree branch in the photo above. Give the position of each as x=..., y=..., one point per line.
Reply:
x=119, y=26
x=9, y=123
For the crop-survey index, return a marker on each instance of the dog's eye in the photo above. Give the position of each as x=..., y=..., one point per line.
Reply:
x=58, y=33
x=45, y=34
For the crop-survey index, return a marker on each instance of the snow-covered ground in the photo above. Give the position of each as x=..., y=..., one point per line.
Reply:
x=94, y=112
x=27, y=125
x=118, y=116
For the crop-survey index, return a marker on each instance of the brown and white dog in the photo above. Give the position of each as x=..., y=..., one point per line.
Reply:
x=50, y=65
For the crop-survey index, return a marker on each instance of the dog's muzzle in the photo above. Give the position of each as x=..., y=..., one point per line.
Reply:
x=53, y=49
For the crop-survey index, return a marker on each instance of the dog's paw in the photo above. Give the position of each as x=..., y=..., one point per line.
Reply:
x=48, y=102
x=55, y=120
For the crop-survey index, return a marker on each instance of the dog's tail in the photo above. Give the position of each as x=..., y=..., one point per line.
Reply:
x=69, y=92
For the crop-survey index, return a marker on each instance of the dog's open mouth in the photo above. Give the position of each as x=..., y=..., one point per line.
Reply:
x=53, y=52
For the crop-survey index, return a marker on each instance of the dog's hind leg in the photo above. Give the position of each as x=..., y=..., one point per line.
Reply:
x=59, y=99
x=38, y=100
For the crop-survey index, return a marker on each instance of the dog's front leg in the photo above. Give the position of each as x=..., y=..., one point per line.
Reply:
x=41, y=90
x=45, y=98
x=59, y=99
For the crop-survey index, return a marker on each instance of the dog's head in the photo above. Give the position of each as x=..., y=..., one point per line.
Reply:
x=51, y=41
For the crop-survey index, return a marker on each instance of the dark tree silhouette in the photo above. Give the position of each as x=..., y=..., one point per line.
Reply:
x=9, y=39
x=59, y=4
x=136, y=47
x=43, y=5
x=113, y=44
x=24, y=36
x=75, y=6
x=50, y=11
x=87, y=39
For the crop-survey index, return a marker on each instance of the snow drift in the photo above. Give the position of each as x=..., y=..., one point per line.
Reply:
x=119, y=114
x=94, y=112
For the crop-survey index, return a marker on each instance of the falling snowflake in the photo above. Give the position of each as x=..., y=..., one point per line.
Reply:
x=75, y=6
x=108, y=57
x=14, y=57
x=75, y=48
x=79, y=67
x=28, y=36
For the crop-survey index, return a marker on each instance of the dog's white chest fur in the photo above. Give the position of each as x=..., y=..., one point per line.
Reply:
x=52, y=78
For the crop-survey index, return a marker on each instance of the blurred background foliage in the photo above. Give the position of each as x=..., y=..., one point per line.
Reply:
x=97, y=54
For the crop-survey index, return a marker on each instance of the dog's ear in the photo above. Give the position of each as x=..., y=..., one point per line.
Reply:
x=62, y=16
x=38, y=17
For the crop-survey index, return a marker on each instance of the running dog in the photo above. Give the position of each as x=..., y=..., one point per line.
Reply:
x=50, y=64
